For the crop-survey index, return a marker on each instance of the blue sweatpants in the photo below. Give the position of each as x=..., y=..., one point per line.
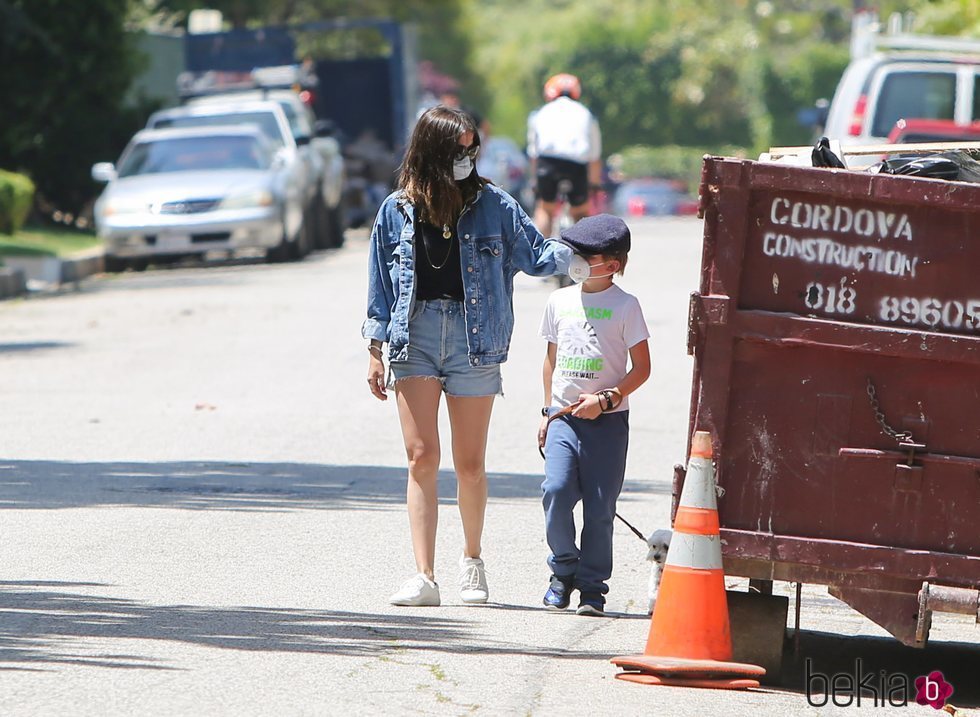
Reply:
x=584, y=461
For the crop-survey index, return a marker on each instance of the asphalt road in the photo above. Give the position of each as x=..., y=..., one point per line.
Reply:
x=202, y=513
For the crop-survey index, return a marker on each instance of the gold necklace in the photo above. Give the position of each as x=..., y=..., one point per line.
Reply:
x=446, y=234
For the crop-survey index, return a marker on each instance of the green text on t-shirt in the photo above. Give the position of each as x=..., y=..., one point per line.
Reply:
x=588, y=312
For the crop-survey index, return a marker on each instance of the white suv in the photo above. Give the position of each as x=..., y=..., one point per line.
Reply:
x=904, y=76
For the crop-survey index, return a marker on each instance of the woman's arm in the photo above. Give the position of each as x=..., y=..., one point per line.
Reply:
x=376, y=371
x=532, y=252
x=381, y=293
x=381, y=297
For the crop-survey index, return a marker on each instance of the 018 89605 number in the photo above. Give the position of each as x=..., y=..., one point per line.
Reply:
x=931, y=312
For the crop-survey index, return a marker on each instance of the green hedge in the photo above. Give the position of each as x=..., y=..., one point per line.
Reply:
x=16, y=195
x=668, y=161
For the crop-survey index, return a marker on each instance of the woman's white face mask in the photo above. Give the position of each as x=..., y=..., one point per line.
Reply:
x=579, y=269
x=462, y=168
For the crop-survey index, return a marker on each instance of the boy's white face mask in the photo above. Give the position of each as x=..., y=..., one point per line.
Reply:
x=579, y=269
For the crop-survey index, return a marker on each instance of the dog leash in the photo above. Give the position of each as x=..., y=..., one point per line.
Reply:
x=564, y=412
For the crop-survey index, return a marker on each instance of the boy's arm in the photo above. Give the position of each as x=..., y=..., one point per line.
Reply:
x=592, y=403
x=639, y=370
x=547, y=372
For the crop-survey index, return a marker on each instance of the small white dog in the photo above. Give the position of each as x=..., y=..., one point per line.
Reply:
x=659, y=542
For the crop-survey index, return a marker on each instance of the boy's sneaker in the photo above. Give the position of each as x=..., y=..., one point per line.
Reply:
x=417, y=592
x=473, y=581
x=559, y=593
x=591, y=604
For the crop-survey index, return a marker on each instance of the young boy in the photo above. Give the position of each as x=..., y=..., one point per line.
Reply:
x=590, y=330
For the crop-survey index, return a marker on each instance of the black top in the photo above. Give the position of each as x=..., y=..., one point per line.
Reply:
x=438, y=274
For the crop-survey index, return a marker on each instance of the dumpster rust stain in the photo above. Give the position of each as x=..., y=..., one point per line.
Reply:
x=763, y=456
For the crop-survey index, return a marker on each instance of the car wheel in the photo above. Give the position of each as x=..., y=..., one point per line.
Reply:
x=304, y=240
x=114, y=264
x=321, y=236
x=335, y=226
x=281, y=251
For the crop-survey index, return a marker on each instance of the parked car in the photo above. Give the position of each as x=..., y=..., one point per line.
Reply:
x=179, y=192
x=902, y=76
x=653, y=197
x=908, y=131
x=298, y=154
x=502, y=162
x=304, y=127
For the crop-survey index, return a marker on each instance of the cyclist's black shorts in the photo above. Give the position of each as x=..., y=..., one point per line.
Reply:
x=551, y=170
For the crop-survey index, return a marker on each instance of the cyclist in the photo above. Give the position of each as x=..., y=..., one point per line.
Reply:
x=564, y=144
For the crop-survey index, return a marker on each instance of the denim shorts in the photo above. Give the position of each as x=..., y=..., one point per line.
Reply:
x=437, y=349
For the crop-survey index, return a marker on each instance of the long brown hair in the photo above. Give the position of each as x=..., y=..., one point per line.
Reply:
x=426, y=174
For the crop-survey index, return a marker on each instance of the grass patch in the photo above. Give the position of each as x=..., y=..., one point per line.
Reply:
x=44, y=241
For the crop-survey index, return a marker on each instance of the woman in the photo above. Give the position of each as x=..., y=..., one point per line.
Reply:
x=444, y=251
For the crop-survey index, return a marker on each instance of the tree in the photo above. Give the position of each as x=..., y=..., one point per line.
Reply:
x=692, y=72
x=445, y=37
x=67, y=66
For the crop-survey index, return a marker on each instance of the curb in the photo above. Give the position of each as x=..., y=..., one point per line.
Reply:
x=13, y=282
x=82, y=266
x=47, y=272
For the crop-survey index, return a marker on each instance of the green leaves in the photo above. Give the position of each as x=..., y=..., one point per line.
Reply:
x=67, y=73
x=687, y=72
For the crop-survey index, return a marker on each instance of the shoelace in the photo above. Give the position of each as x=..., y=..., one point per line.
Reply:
x=416, y=584
x=470, y=580
x=419, y=582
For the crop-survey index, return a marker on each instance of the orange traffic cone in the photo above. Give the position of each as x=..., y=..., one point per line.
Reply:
x=690, y=640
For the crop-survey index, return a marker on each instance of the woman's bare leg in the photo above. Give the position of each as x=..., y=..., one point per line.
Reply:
x=470, y=420
x=418, y=411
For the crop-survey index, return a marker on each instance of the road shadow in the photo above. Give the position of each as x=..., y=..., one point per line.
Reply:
x=28, y=346
x=828, y=654
x=235, y=486
x=44, y=625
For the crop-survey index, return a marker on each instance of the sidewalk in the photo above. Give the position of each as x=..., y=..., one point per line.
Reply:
x=46, y=273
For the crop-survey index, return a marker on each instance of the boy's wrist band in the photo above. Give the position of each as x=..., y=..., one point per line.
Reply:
x=544, y=410
x=606, y=399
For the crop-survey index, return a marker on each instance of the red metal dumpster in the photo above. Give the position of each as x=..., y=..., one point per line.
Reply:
x=836, y=337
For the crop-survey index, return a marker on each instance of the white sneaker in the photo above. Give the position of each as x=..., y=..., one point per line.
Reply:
x=473, y=581
x=416, y=592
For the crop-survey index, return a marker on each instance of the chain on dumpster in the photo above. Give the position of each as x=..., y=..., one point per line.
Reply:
x=899, y=436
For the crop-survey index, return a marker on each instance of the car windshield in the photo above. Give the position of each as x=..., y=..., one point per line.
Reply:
x=925, y=95
x=194, y=153
x=266, y=122
x=297, y=123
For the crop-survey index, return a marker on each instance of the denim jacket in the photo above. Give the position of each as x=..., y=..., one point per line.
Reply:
x=497, y=239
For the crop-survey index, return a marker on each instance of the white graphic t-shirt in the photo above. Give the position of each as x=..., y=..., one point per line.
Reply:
x=594, y=333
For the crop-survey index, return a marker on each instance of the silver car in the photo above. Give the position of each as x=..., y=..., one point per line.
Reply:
x=178, y=192
x=268, y=115
x=304, y=126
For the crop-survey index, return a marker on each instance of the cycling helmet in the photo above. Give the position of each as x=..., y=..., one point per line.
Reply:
x=562, y=84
